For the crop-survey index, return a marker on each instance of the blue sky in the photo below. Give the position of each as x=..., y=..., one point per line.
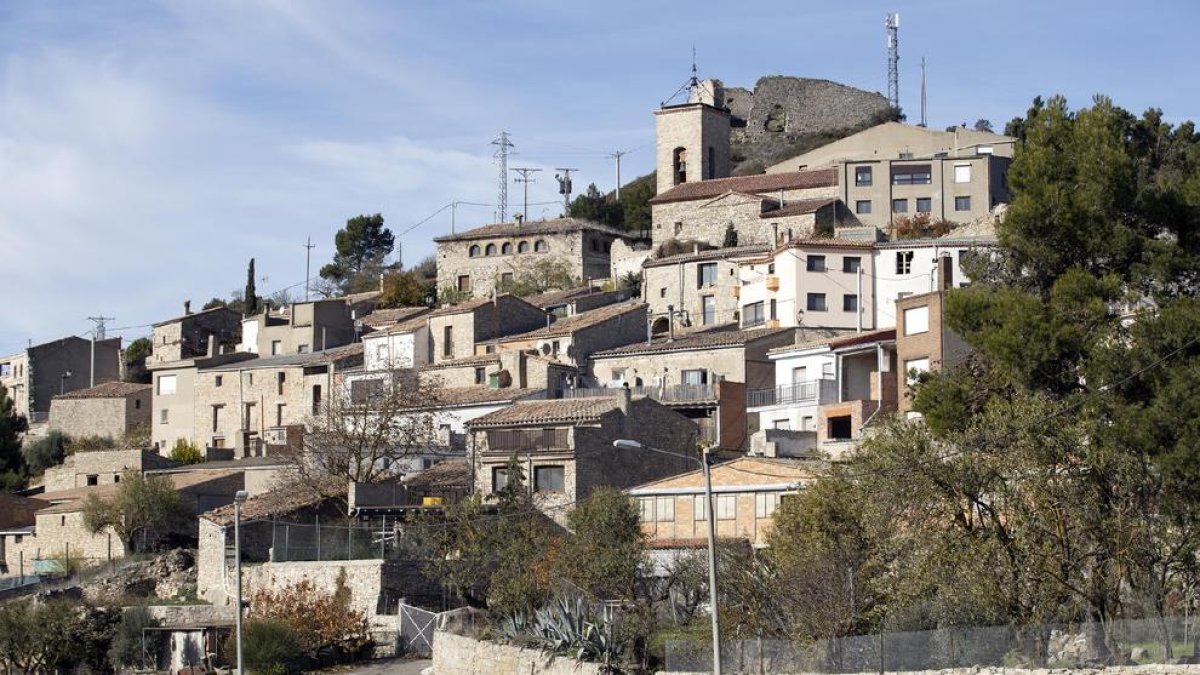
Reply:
x=148, y=150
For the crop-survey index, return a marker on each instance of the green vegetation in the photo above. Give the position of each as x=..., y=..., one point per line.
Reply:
x=145, y=509
x=45, y=452
x=551, y=274
x=12, y=425
x=129, y=647
x=360, y=250
x=186, y=452
x=135, y=356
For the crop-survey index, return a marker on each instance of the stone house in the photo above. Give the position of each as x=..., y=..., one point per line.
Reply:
x=907, y=267
x=895, y=170
x=109, y=410
x=923, y=341
x=701, y=288
x=59, y=530
x=173, y=402
x=36, y=374
x=472, y=327
x=746, y=492
x=827, y=390
x=100, y=467
x=382, y=319
x=574, y=301
x=702, y=374
x=300, y=328
x=566, y=447
x=482, y=261
x=572, y=340
x=195, y=335
x=251, y=405
x=404, y=345
x=502, y=370
x=815, y=283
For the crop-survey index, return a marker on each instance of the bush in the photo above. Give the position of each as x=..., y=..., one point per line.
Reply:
x=128, y=649
x=45, y=452
x=186, y=452
x=270, y=647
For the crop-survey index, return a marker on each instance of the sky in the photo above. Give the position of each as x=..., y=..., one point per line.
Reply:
x=149, y=149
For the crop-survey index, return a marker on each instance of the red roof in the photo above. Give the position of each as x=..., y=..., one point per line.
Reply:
x=767, y=182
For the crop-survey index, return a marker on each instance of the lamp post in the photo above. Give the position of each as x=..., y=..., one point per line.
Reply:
x=62, y=382
x=239, y=498
x=627, y=444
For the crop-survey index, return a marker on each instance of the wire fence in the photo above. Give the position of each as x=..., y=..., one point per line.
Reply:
x=371, y=540
x=1135, y=641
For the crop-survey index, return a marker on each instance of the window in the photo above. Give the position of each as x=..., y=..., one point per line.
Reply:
x=664, y=509
x=708, y=313
x=816, y=263
x=523, y=247
x=280, y=378
x=706, y=275
x=765, y=504
x=506, y=279
x=506, y=249
x=862, y=206
x=851, y=264
x=548, y=479
x=726, y=507
x=302, y=349
x=916, y=320
x=924, y=204
x=248, y=422
x=962, y=203
x=499, y=479
x=799, y=374
x=904, y=261
x=216, y=418
x=464, y=283
x=808, y=423
x=316, y=399
x=473, y=251
x=279, y=414
x=816, y=302
x=827, y=371
x=913, y=174
x=679, y=165
x=699, y=513
x=540, y=246
x=218, y=380
x=914, y=367
x=646, y=509
x=781, y=424
x=166, y=385
x=137, y=404
x=770, y=268
x=772, y=314
x=752, y=314
x=711, y=170
x=447, y=340
x=899, y=206
x=862, y=176
x=164, y=416
x=962, y=173
x=276, y=347
x=694, y=376
x=93, y=479
x=480, y=375
x=490, y=250
x=382, y=353
x=850, y=303
x=662, y=292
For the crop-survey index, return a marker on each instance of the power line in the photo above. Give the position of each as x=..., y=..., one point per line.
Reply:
x=524, y=171
x=564, y=186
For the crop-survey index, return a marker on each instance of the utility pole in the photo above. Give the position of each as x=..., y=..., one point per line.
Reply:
x=525, y=171
x=502, y=150
x=564, y=187
x=309, y=246
x=893, y=46
x=97, y=334
x=617, y=156
x=923, y=120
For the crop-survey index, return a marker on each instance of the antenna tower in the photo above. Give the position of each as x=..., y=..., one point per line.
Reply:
x=525, y=171
x=308, y=247
x=502, y=146
x=97, y=334
x=924, y=122
x=893, y=46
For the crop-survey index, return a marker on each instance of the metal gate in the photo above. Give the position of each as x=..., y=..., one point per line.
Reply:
x=417, y=626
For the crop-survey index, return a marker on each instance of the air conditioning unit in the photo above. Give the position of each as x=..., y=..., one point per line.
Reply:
x=546, y=349
x=737, y=291
x=772, y=283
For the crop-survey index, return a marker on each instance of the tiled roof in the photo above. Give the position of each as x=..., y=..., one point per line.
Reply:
x=829, y=242
x=446, y=397
x=767, y=182
x=472, y=305
x=70, y=501
x=558, y=411
x=406, y=326
x=580, y=321
x=544, y=300
x=294, y=360
x=107, y=390
x=532, y=228
x=711, y=254
x=799, y=208
x=729, y=335
x=863, y=338
x=193, y=314
x=748, y=471
x=277, y=502
x=466, y=361
x=386, y=318
x=808, y=338
x=446, y=473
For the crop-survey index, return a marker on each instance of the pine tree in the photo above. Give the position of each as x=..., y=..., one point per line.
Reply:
x=731, y=237
x=12, y=425
x=251, y=294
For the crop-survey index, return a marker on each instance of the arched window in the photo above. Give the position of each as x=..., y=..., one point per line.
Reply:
x=523, y=247
x=506, y=249
x=474, y=251
x=540, y=246
x=661, y=325
x=679, y=165
x=491, y=249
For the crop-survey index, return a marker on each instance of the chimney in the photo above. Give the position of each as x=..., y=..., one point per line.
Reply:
x=775, y=235
x=945, y=273
x=695, y=247
x=624, y=397
x=671, y=323
x=187, y=307
x=518, y=217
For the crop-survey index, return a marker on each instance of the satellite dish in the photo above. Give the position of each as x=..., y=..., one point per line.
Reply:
x=545, y=348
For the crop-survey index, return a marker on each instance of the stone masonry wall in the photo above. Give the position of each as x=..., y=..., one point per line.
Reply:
x=573, y=248
x=458, y=655
x=706, y=220
x=111, y=417
x=1158, y=669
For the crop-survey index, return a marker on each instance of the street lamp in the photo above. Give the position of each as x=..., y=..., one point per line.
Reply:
x=62, y=382
x=628, y=444
x=239, y=498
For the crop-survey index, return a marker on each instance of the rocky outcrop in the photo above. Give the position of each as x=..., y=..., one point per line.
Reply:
x=171, y=575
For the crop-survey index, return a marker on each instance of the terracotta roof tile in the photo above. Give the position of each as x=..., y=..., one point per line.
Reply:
x=446, y=473
x=386, y=318
x=711, y=254
x=446, y=397
x=464, y=362
x=532, y=228
x=799, y=208
x=767, y=182
x=581, y=321
x=558, y=411
x=277, y=502
x=107, y=390
x=729, y=335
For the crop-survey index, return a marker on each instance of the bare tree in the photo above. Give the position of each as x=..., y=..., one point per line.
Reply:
x=370, y=430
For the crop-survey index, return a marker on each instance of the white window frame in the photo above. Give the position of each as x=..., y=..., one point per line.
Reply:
x=727, y=507
x=962, y=173
x=698, y=514
x=765, y=504
x=664, y=509
x=167, y=385
x=916, y=320
x=919, y=365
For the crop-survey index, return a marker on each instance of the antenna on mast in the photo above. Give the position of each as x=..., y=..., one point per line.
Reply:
x=893, y=45
x=502, y=145
x=924, y=122
x=564, y=187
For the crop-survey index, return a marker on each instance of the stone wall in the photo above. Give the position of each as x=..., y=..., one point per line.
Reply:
x=705, y=220
x=259, y=393
x=701, y=133
x=176, y=615
x=105, y=465
x=486, y=272
x=1157, y=669
x=111, y=417
x=458, y=655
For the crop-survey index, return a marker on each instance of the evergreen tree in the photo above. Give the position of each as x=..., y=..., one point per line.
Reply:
x=12, y=425
x=360, y=250
x=250, y=295
x=731, y=237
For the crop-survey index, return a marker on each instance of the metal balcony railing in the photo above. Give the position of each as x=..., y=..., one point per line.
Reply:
x=672, y=393
x=817, y=392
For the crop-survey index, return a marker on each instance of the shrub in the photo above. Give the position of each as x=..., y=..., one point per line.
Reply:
x=45, y=452
x=186, y=452
x=270, y=647
x=318, y=620
x=128, y=648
